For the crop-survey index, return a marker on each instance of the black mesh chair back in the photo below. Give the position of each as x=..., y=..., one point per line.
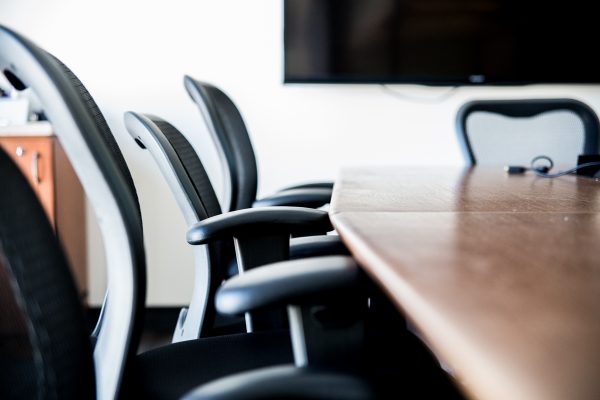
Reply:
x=189, y=169
x=197, y=200
x=502, y=132
x=114, y=151
x=45, y=350
x=93, y=152
x=228, y=131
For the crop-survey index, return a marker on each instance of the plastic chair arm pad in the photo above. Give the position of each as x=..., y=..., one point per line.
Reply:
x=310, y=185
x=260, y=221
x=309, y=197
x=315, y=246
x=289, y=282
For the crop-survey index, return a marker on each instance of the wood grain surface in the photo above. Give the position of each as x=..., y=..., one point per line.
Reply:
x=500, y=274
x=460, y=189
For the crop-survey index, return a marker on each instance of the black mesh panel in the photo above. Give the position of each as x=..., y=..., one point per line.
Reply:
x=45, y=350
x=104, y=129
x=235, y=143
x=193, y=167
x=128, y=204
x=235, y=136
x=221, y=253
x=19, y=377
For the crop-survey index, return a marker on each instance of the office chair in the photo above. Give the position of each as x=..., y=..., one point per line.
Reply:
x=327, y=329
x=166, y=372
x=96, y=158
x=45, y=349
x=189, y=183
x=238, y=162
x=503, y=132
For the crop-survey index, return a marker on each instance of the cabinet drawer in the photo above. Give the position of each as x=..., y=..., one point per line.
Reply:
x=35, y=158
x=45, y=164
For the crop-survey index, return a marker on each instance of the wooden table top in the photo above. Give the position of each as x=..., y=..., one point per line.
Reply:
x=500, y=274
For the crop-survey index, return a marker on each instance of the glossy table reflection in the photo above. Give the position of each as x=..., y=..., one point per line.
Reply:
x=500, y=274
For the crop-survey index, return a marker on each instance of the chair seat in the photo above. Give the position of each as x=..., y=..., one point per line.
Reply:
x=170, y=371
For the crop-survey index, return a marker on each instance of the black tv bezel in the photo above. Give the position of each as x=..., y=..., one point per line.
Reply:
x=457, y=82
x=425, y=82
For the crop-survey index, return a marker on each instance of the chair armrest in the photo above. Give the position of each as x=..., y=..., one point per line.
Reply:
x=315, y=246
x=284, y=382
x=289, y=282
x=311, y=185
x=260, y=221
x=307, y=197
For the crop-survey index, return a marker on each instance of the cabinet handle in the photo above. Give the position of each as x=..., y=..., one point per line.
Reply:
x=35, y=167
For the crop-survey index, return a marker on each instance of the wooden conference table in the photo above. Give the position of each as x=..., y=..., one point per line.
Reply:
x=500, y=274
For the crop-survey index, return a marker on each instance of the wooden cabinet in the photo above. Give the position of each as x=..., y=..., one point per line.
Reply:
x=43, y=161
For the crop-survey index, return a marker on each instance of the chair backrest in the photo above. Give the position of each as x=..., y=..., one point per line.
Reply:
x=193, y=191
x=95, y=156
x=501, y=132
x=228, y=132
x=45, y=349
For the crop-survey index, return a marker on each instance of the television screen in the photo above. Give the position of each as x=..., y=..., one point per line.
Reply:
x=441, y=42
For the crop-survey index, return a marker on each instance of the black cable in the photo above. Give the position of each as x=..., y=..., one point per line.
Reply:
x=543, y=170
x=565, y=172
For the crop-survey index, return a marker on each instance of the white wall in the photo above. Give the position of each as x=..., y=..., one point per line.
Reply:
x=132, y=55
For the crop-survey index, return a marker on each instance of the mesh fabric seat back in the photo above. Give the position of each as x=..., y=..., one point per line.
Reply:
x=116, y=159
x=106, y=135
x=514, y=132
x=228, y=131
x=221, y=254
x=92, y=150
x=193, y=168
x=45, y=350
x=191, y=187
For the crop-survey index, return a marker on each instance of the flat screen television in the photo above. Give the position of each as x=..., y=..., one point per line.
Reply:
x=441, y=42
